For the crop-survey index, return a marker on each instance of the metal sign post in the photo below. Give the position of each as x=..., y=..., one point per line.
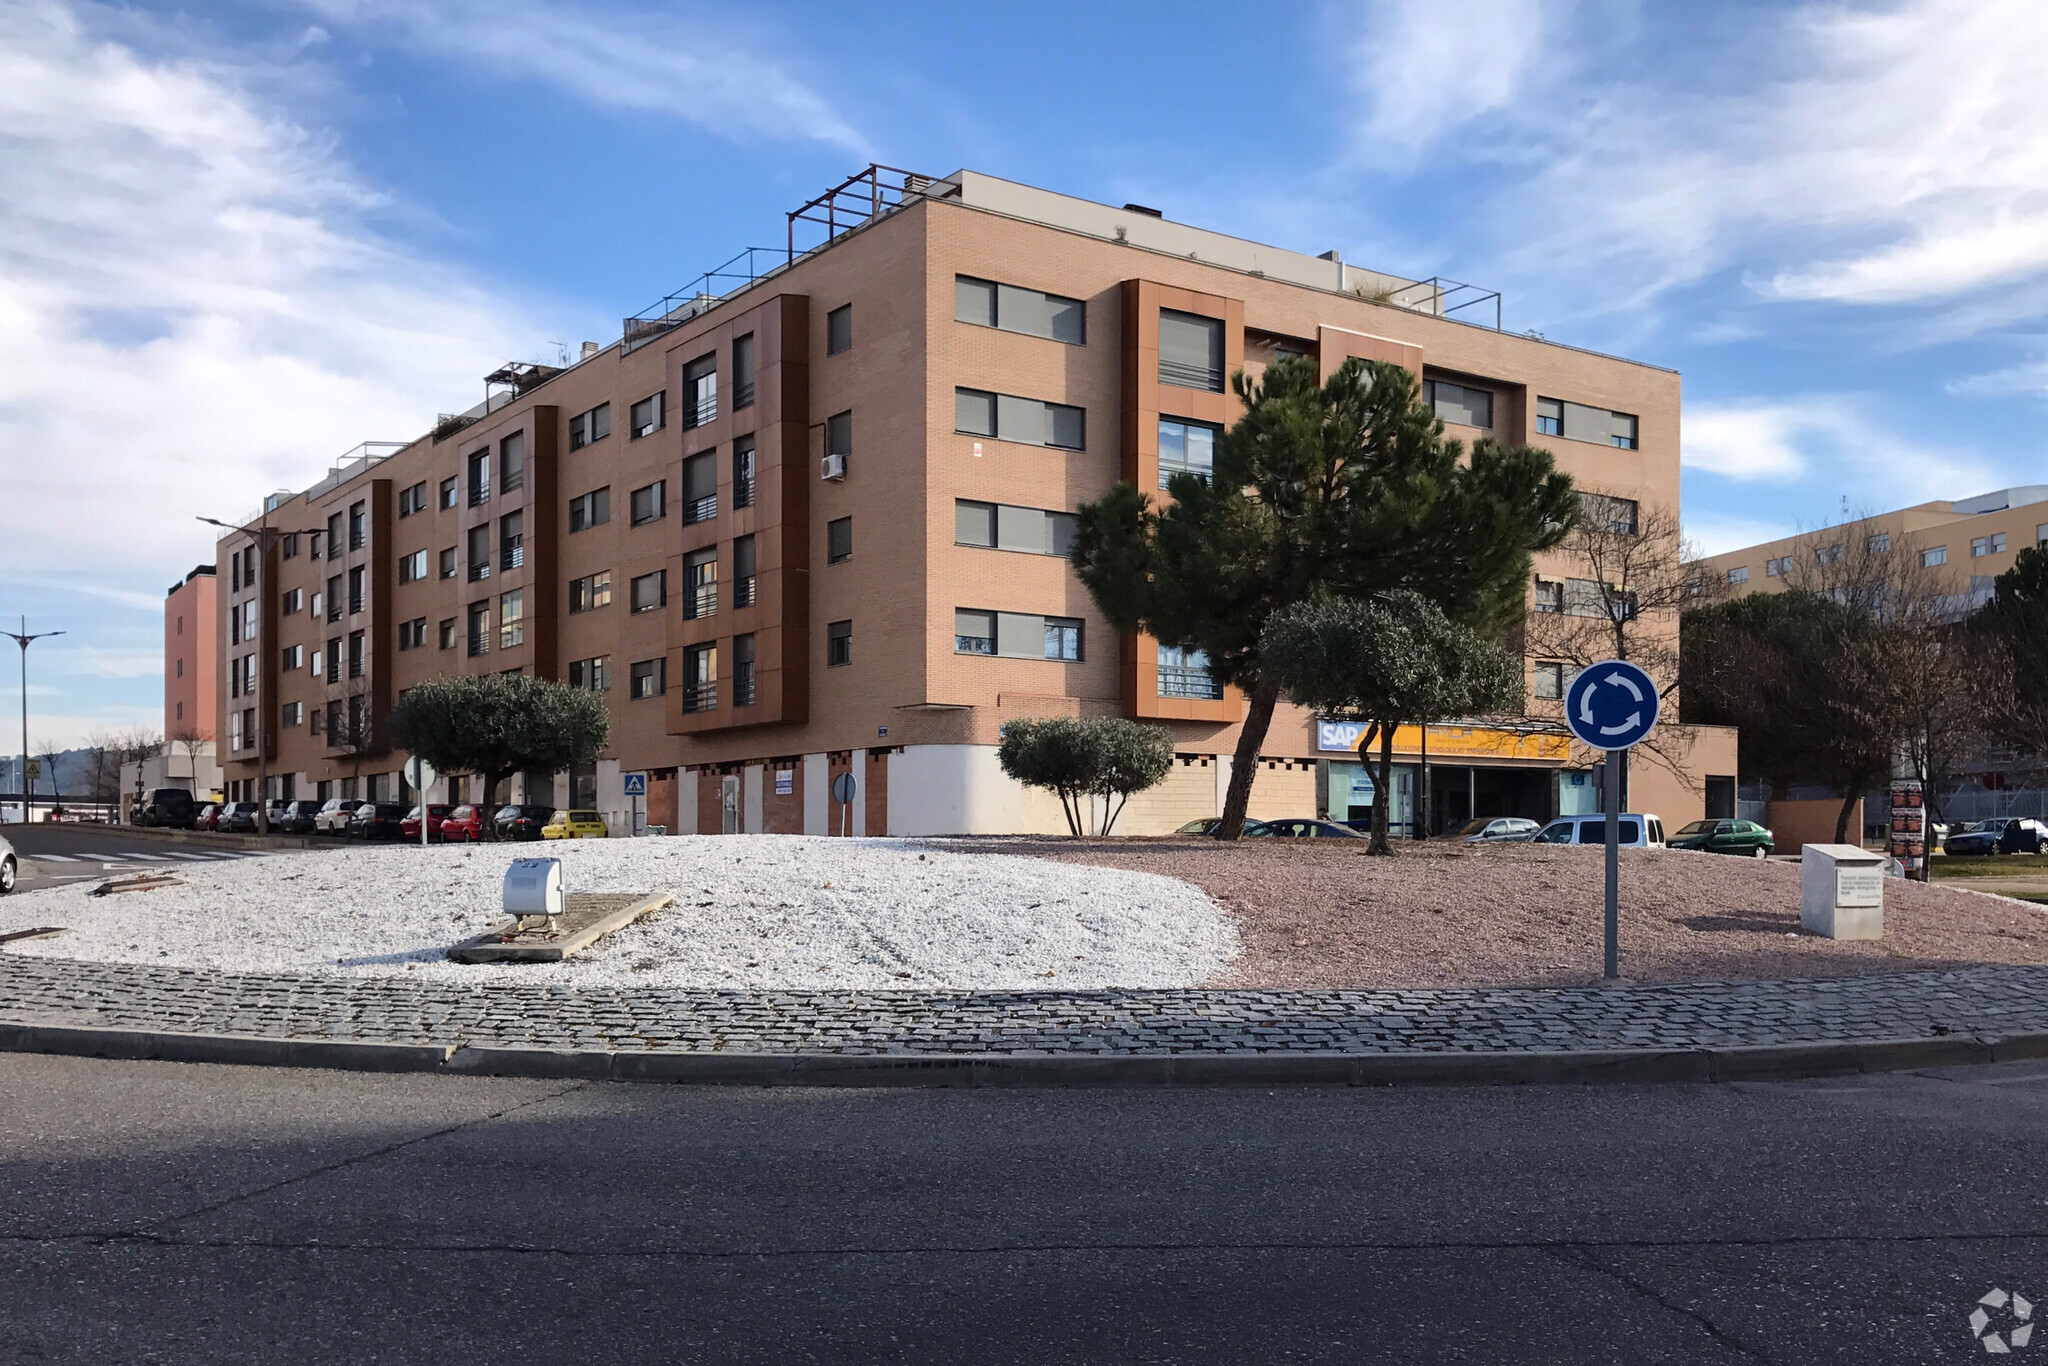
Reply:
x=1612, y=706
x=842, y=792
x=636, y=788
x=421, y=775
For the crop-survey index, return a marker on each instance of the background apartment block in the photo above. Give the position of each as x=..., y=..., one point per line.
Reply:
x=816, y=522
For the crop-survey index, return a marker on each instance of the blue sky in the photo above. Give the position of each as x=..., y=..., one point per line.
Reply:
x=238, y=239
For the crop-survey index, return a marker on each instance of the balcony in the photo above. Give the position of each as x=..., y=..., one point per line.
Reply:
x=1179, y=681
x=743, y=592
x=479, y=569
x=480, y=493
x=703, y=510
x=743, y=492
x=701, y=697
x=702, y=602
x=743, y=394
x=512, y=553
x=743, y=687
x=1181, y=375
x=479, y=643
x=700, y=412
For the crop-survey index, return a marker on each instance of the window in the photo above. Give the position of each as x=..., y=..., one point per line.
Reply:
x=234, y=730
x=839, y=434
x=1186, y=446
x=355, y=654
x=293, y=602
x=700, y=488
x=511, y=541
x=1827, y=554
x=700, y=391
x=1016, y=635
x=1459, y=403
x=743, y=670
x=700, y=573
x=448, y=633
x=479, y=556
x=181, y=673
x=1549, y=596
x=650, y=591
x=412, y=634
x=2041, y=534
x=291, y=659
x=590, y=592
x=1739, y=574
x=512, y=462
x=334, y=659
x=1062, y=638
x=1589, y=598
x=1878, y=544
x=838, y=644
x=1987, y=545
x=1185, y=673
x=839, y=330
x=1002, y=526
x=334, y=598
x=839, y=540
x=358, y=526
x=480, y=476
x=449, y=492
x=587, y=510
x=314, y=542
x=594, y=673
x=412, y=568
x=1028, y=421
x=650, y=678
x=743, y=571
x=1933, y=556
x=651, y=503
x=412, y=500
x=289, y=545
x=988, y=304
x=1616, y=515
x=511, y=619
x=336, y=528
x=743, y=472
x=1556, y=417
x=1549, y=680
x=249, y=618
x=700, y=678
x=479, y=628
x=1778, y=567
x=974, y=633
x=1190, y=351
x=743, y=372
x=594, y=425
x=291, y=714
x=449, y=562
x=649, y=415
x=357, y=579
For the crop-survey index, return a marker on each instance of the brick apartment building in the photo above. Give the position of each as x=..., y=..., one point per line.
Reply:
x=192, y=657
x=815, y=522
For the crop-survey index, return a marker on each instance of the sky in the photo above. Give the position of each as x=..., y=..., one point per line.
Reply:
x=238, y=239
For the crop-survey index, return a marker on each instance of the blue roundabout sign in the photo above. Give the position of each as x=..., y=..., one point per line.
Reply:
x=1611, y=705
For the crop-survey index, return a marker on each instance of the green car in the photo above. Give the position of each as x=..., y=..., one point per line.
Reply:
x=1725, y=837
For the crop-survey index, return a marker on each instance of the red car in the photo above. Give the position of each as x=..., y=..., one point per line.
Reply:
x=208, y=817
x=460, y=823
x=409, y=828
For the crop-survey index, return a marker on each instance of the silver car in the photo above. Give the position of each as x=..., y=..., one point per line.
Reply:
x=1490, y=829
x=10, y=868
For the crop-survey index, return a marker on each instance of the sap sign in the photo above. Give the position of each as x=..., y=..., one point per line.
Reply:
x=1339, y=735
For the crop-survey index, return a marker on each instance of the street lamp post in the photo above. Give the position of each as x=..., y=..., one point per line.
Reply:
x=24, y=640
x=266, y=536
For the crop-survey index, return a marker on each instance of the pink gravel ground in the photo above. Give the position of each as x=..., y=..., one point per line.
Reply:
x=1324, y=914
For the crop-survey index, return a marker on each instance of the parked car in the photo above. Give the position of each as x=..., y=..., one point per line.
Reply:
x=574, y=825
x=1490, y=829
x=207, y=817
x=294, y=818
x=376, y=821
x=1205, y=826
x=334, y=815
x=1721, y=836
x=409, y=828
x=519, y=822
x=237, y=818
x=10, y=867
x=169, y=807
x=1990, y=837
x=1639, y=830
x=1301, y=829
x=463, y=824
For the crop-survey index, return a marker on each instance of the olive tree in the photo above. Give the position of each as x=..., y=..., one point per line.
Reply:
x=496, y=725
x=1079, y=759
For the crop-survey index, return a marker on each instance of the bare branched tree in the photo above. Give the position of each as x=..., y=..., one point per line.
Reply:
x=49, y=752
x=103, y=766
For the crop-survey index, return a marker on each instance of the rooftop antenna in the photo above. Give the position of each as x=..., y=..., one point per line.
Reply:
x=561, y=352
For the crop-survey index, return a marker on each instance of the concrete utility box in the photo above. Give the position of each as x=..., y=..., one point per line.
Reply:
x=1841, y=891
x=533, y=886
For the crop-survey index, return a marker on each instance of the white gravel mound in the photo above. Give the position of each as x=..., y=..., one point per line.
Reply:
x=752, y=912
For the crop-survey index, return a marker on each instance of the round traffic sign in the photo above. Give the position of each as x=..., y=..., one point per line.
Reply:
x=420, y=773
x=842, y=789
x=1611, y=705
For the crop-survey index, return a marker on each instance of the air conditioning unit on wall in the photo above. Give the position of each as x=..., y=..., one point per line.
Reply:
x=832, y=467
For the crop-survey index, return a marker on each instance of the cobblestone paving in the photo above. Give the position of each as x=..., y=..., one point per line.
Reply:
x=1997, y=1000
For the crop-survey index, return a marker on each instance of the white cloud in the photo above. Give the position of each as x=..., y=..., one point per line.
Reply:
x=191, y=311
x=97, y=662
x=1425, y=66
x=2028, y=377
x=625, y=59
x=1830, y=437
x=1717, y=535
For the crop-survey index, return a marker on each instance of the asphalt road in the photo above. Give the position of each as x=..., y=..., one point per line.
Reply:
x=157, y=1212
x=52, y=854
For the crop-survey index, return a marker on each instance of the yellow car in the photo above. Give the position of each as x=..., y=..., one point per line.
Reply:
x=574, y=825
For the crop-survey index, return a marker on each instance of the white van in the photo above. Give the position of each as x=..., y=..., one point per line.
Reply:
x=1638, y=831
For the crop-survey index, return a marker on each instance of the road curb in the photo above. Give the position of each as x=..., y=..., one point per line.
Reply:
x=209, y=839
x=1766, y=1062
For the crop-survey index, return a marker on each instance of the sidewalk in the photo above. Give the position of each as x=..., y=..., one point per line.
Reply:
x=1699, y=1031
